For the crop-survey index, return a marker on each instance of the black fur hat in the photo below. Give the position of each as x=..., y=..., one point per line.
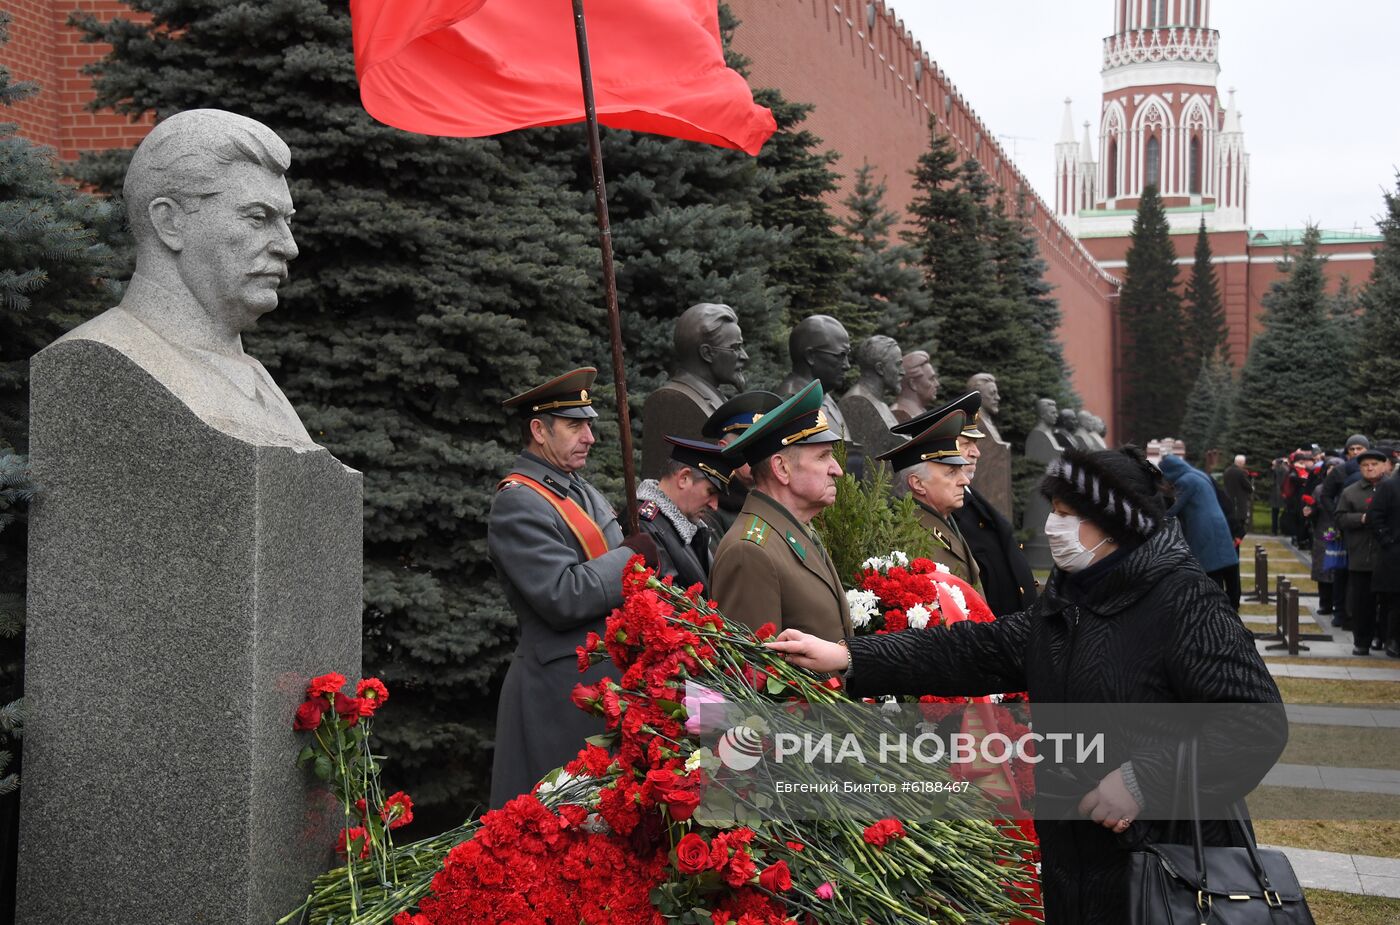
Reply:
x=1118, y=490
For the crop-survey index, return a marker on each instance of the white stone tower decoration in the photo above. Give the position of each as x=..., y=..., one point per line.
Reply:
x=1160, y=123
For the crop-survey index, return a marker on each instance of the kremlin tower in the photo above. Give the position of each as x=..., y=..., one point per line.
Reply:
x=1162, y=123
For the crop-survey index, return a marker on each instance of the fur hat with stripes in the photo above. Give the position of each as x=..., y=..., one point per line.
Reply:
x=1118, y=490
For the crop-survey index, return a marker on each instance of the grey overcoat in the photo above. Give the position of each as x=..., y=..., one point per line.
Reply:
x=558, y=596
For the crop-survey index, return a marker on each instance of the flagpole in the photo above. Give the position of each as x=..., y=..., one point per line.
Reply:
x=600, y=198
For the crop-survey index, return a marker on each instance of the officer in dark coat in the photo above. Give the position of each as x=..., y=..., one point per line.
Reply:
x=725, y=426
x=559, y=553
x=693, y=478
x=1007, y=581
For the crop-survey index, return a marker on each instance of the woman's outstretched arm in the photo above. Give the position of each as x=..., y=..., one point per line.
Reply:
x=964, y=659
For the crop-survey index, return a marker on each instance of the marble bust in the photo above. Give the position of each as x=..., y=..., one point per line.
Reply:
x=707, y=353
x=918, y=386
x=209, y=209
x=820, y=349
x=867, y=416
x=986, y=383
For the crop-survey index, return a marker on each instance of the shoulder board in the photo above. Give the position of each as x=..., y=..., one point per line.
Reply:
x=554, y=485
x=942, y=540
x=507, y=483
x=756, y=531
x=797, y=547
x=648, y=510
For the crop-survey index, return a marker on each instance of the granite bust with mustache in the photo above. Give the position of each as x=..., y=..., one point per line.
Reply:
x=209, y=208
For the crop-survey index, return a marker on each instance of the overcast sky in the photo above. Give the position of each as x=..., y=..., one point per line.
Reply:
x=1316, y=86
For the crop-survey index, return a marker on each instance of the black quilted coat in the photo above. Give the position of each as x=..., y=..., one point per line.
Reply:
x=1152, y=629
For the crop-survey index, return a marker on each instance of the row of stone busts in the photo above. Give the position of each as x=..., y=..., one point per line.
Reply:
x=708, y=353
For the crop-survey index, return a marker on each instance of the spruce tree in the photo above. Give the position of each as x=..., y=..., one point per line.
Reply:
x=1205, y=314
x=885, y=281
x=1294, y=380
x=944, y=232
x=436, y=278
x=1155, y=381
x=1378, y=355
x=1205, y=425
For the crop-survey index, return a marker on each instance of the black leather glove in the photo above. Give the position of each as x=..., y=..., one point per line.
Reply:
x=643, y=545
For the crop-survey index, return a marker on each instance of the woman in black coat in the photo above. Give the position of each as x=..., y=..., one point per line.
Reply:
x=1127, y=617
x=1385, y=580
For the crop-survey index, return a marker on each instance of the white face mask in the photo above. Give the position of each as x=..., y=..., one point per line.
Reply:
x=1062, y=530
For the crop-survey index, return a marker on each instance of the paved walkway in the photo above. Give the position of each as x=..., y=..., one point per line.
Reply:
x=1336, y=672
x=1342, y=716
x=1345, y=873
x=1349, y=780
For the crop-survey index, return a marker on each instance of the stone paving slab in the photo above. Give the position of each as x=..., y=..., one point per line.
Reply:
x=1348, y=780
x=1344, y=873
x=1335, y=672
x=1341, y=716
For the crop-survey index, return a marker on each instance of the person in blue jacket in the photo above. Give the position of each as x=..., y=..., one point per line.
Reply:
x=1203, y=521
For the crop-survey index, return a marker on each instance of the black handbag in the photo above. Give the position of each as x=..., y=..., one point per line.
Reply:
x=1192, y=884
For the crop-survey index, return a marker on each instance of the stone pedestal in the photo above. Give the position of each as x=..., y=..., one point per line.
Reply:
x=675, y=411
x=993, y=478
x=868, y=423
x=183, y=586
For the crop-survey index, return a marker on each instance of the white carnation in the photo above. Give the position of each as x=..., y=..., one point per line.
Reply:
x=899, y=558
x=918, y=616
x=957, y=595
x=940, y=567
x=874, y=562
x=864, y=606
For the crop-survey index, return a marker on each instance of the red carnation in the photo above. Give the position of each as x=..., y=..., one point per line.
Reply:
x=692, y=854
x=352, y=709
x=309, y=714
x=357, y=837
x=766, y=631
x=328, y=683
x=372, y=689
x=883, y=832
x=587, y=697
x=397, y=810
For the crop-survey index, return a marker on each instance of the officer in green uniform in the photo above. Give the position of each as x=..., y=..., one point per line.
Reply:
x=930, y=467
x=559, y=553
x=1004, y=573
x=771, y=567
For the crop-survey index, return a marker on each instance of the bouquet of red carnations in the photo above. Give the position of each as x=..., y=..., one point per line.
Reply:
x=615, y=836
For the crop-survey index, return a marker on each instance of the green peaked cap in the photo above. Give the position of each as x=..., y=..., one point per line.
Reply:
x=937, y=443
x=800, y=419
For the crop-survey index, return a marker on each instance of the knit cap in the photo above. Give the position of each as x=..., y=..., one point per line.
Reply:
x=1117, y=490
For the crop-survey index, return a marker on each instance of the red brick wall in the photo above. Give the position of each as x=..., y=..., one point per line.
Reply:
x=869, y=107
x=45, y=49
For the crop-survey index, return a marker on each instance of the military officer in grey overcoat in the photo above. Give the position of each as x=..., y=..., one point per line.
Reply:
x=771, y=566
x=559, y=553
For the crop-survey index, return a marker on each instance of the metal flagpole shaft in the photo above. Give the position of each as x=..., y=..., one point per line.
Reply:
x=600, y=196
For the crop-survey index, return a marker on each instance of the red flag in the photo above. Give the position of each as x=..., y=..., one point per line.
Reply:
x=476, y=67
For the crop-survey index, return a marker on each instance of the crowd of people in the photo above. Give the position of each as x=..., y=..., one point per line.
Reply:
x=1343, y=507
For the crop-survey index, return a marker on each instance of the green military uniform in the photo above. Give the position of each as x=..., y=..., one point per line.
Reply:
x=936, y=441
x=770, y=568
x=933, y=428
x=949, y=547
